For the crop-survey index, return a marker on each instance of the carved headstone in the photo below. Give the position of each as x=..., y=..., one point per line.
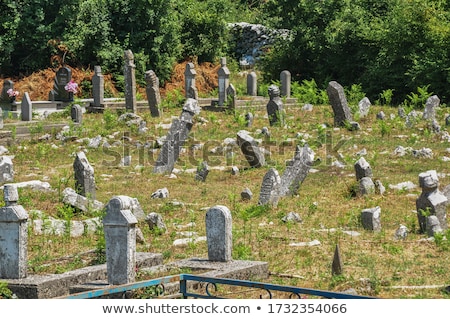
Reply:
x=62, y=78
x=130, y=81
x=219, y=233
x=224, y=81
x=153, y=94
x=98, y=86
x=250, y=149
x=189, y=81
x=336, y=95
x=7, y=102
x=84, y=176
x=269, y=193
x=274, y=107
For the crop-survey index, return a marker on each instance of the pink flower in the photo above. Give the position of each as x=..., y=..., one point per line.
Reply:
x=12, y=93
x=71, y=87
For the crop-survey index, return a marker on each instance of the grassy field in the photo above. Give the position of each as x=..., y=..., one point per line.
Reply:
x=374, y=263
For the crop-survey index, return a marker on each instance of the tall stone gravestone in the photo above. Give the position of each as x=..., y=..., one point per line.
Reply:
x=84, y=176
x=224, y=81
x=431, y=201
x=129, y=70
x=219, y=233
x=190, y=88
x=275, y=110
x=153, y=94
x=252, y=86
x=176, y=137
x=26, y=108
x=59, y=93
x=250, y=149
x=7, y=102
x=336, y=95
x=268, y=193
x=285, y=80
x=430, y=107
x=98, y=87
x=119, y=226
x=13, y=236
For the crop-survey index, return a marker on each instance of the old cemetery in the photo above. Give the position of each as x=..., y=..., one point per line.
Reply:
x=346, y=196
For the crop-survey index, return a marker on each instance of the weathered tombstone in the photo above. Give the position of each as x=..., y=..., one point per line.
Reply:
x=26, y=108
x=269, y=188
x=6, y=169
x=274, y=107
x=84, y=176
x=155, y=221
x=176, y=137
x=364, y=107
x=366, y=186
x=246, y=194
x=285, y=80
x=249, y=119
x=98, y=86
x=430, y=107
x=153, y=94
x=431, y=201
x=62, y=78
x=294, y=174
x=371, y=219
x=189, y=81
x=433, y=226
x=130, y=81
x=336, y=265
x=336, y=95
x=76, y=114
x=250, y=149
x=219, y=233
x=362, y=169
x=252, y=86
x=231, y=97
x=8, y=96
x=202, y=172
x=119, y=226
x=224, y=81
x=13, y=236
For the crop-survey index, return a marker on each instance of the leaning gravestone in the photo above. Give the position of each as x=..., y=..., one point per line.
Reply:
x=269, y=193
x=250, y=149
x=219, y=233
x=62, y=78
x=130, y=81
x=98, y=86
x=431, y=201
x=26, y=107
x=224, y=81
x=84, y=176
x=119, y=226
x=176, y=137
x=274, y=107
x=153, y=94
x=336, y=95
x=13, y=236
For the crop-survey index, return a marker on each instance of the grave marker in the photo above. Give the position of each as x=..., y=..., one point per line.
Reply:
x=98, y=86
x=84, y=176
x=252, y=86
x=76, y=114
x=26, y=107
x=190, y=88
x=274, y=107
x=153, y=94
x=224, y=81
x=285, y=80
x=130, y=81
x=338, y=102
x=62, y=78
x=219, y=233
x=250, y=149
x=269, y=188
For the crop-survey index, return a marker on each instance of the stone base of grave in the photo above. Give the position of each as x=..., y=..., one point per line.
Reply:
x=235, y=269
x=24, y=130
x=57, y=285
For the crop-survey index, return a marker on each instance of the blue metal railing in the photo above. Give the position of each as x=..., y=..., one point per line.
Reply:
x=186, y=282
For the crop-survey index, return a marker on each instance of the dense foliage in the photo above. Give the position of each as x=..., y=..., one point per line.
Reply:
x=395, y=45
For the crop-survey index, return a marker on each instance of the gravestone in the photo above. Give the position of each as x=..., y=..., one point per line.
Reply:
x=371, y=219
x=231, y=96
x=202, y=172
x=366, y=186
x=433, y=226
x=295, y=173
x=176, y=137
x=250, y=149
x=219, y=233
x=252, y=86
x=274, y=107
x=62, y=78
x=76, y=114
x=26, y=107
x=153, y=94
x=13, y=236
x=364, y=107
x=155, y=221
x=190, y=88
x=285, y=80
x=224, y=81
x=84, y=176
x=246, y=194
x=362, y=169
x=269, y=188
x=430, y=107
x=98, y=87
x=7, y=102
x=119, y=226
x=338, y=101
x=431, y=201
x=130, y=81
x=336, y=265
x=249, y=119
x=6, y=170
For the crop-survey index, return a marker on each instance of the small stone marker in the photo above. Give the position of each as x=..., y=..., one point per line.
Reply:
x=249, y=119
x=336, y=266
x=362, y=169
x=130, y=81
x=364, y=107
x=202, y=172
x=269, y=188
x=274, y=107
x=84, y=176
x=219, y=233
x=120, y=238
x=250, y=149
x=252, y=87
x=6, y=169
x=13, y=236
x=26, y=107
x=98, y=86
x=224, y=81
x=153, y=94
x=76, y=113
x=285, y=80
x=371, y=219
x=430, y=107
x=155, y=221
x=338, y=101
x=366, y=186
x=246, y=194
